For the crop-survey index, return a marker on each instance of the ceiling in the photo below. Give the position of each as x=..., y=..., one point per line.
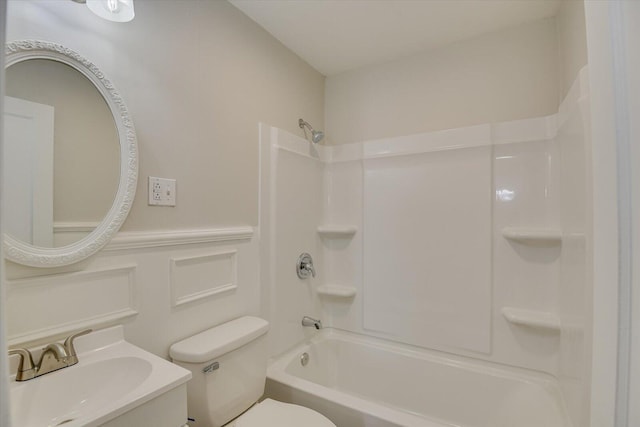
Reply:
x=335, y=36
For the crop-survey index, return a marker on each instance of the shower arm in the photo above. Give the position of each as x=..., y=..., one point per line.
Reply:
x=302, y=125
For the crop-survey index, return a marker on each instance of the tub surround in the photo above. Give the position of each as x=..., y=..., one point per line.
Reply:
x=341, y=173
x=525, y=309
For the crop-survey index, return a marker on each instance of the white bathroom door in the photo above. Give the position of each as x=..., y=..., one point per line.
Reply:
x=28, y=171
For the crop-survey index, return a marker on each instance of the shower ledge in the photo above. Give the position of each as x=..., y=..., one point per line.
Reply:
x=532, y=318
x=335, y=231
x=533, y=236
x=337, y=291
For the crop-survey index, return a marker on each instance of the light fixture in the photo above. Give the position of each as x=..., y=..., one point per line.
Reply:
x=111, y=10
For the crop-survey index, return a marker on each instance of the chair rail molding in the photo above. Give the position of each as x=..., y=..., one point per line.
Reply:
x=151, y=239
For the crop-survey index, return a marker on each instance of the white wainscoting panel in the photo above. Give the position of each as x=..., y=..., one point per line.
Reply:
x=427, y=248
x=57, y=304
x=202, y=276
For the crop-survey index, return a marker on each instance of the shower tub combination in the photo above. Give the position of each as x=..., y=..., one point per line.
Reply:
x=360, y=381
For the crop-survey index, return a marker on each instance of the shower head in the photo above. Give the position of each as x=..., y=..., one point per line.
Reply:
x=316, y=135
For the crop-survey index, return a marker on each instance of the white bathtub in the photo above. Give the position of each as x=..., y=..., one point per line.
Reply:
x=360, y=381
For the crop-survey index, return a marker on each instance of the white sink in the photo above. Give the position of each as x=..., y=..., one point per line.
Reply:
x=111, y=378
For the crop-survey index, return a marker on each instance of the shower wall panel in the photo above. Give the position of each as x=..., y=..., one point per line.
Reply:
x=525, y=273
x=290, y=211
x=574, y=301
x=427, y=248
x=506, y=170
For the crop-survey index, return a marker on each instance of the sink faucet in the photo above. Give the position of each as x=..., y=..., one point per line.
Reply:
x=309, y=321
x=54, y=356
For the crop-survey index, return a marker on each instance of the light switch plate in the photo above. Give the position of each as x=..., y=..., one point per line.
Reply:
x=162, y=191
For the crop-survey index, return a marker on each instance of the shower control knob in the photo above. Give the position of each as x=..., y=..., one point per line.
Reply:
x=304, y=266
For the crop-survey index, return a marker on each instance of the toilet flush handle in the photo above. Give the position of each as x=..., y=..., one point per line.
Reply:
x=210, y=368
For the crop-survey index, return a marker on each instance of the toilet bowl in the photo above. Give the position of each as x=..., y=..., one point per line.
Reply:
x=229, y=369
x=271, y=413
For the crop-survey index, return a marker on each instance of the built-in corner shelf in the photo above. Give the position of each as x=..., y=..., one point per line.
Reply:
x=533, y=319
x=533, y=236
x=337, y=231
x=336, y=291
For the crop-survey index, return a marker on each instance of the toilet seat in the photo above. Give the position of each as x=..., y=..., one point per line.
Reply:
x=271, y=413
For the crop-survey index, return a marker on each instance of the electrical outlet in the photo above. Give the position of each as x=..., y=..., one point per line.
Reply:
x=162, y=191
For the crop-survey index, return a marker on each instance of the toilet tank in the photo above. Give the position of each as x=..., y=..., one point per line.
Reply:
x=229, y=367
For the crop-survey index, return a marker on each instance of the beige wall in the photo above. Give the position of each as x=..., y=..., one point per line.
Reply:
x=572, y=43
x=507, y=75
x=197, y=77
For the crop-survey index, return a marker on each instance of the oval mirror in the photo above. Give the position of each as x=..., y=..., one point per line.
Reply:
x=71, y=164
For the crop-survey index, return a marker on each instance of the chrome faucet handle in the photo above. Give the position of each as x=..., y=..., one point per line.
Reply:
x=304, y=266
x=70, y=348
x=26, y=368
x=309, y=268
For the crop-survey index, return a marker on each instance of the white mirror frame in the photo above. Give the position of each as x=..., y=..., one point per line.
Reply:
x=27, y=254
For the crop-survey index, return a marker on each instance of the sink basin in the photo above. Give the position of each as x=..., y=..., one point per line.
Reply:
x=108, y=381
x=61, y=397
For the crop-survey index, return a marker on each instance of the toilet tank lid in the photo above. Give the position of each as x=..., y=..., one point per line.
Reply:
x=219, y=340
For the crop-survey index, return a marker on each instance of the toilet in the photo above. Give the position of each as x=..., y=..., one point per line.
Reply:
x=229, y=368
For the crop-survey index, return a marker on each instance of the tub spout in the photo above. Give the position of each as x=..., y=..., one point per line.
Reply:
x=309, y=321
